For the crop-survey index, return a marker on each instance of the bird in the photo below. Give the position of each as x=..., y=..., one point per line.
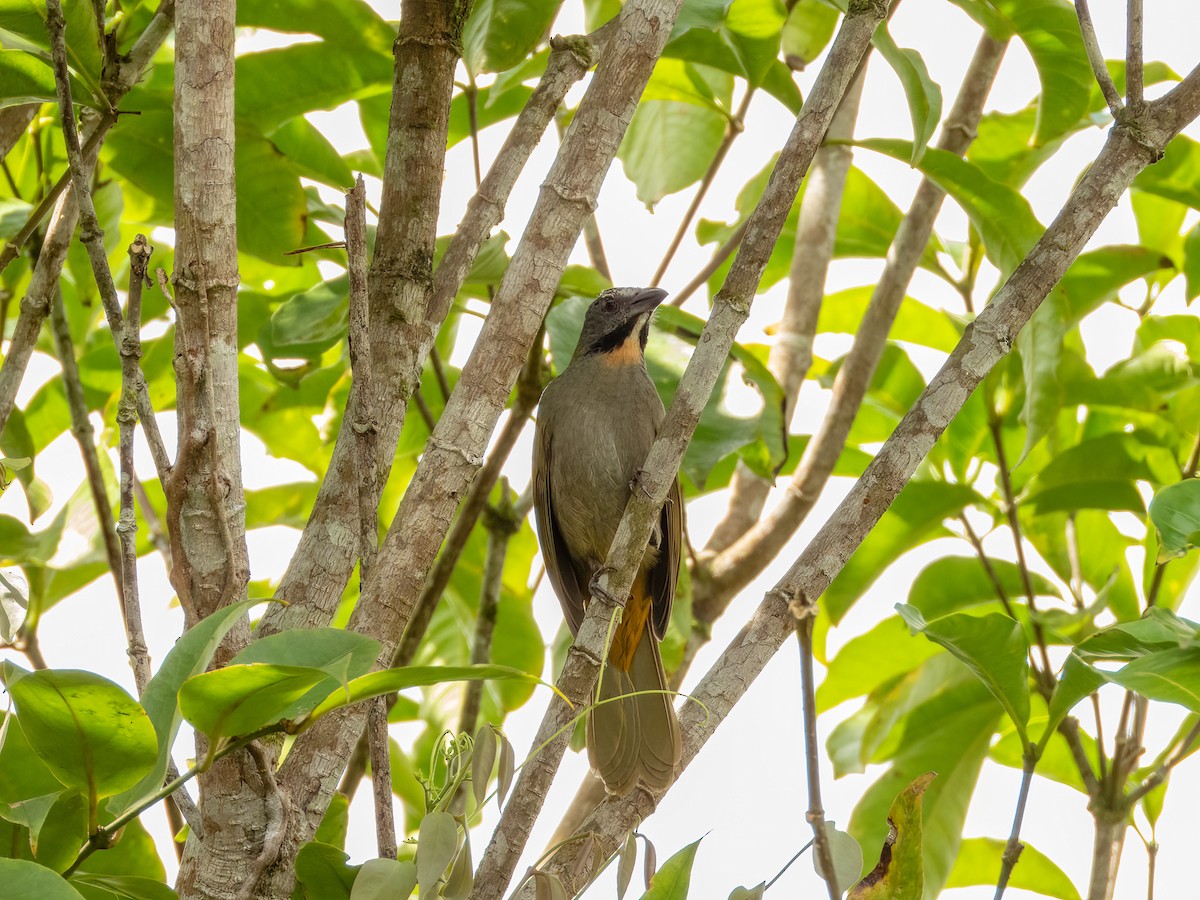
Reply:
x=595, y=424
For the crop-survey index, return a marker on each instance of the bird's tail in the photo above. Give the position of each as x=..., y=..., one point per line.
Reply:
x=635, y=737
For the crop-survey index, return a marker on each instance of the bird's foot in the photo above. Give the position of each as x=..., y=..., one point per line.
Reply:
x=636, y=484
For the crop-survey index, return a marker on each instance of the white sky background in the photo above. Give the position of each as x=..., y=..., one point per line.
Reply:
x=745, y=790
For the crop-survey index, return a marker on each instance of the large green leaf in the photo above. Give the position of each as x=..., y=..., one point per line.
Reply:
x=28, y=78
x=978, y=863
x=437, y=845
x=870, y=660
x=323, y=873
x=501, y=33
x=923, y=93
x=24, y=880
x=87, y=730
x=238, y=700
x=993, y=646
x=1175, y=512
x=1003, y=218
x=915, y=322
x=1172, y=676
x=1050, y=31
x=190, y=656
x=125, y=887
x=271, y=207
x=1177, y=175
x=384, y=879
x=807, y=32
x=276, y=85
x=669, y=146
x=955, y=583
x=673, y=878
x=351, y=23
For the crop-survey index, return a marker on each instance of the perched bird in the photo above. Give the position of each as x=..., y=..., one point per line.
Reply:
x=595, y=425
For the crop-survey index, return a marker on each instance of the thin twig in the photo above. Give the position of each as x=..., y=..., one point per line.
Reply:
x=157, y=536
x=366, y=429
x=735, y=126
x=1012, y=850
x=1133, y=55
x=130, y=349
x=1096, y=57
x=439, y=372
x=805, y=614
x=1159, y=775
x=501, y=523
x=719, y=256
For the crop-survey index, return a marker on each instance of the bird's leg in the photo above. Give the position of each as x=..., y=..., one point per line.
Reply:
x=636, y=484
x=597, y=589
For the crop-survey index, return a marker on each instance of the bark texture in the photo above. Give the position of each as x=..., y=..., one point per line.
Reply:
x=205, y=499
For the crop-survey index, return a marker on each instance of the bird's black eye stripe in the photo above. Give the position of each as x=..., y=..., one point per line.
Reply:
x=613, y=339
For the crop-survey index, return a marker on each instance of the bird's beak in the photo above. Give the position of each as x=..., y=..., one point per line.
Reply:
x=646, y=300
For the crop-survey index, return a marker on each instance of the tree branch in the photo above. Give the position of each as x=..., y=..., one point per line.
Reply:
x=1133, y=54
x=985, y=342
x=734, y=568
x=805, y=615
x=130, y=349
x=1096, y=57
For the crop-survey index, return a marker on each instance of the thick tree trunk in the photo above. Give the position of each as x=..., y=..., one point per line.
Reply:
x=206, y=504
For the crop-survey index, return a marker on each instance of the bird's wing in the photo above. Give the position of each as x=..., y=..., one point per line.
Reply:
x=564, y=575
x=665, y=573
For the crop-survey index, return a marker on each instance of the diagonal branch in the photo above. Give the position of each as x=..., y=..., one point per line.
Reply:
x=735, y=567
x=987, y=340
x=731, y=306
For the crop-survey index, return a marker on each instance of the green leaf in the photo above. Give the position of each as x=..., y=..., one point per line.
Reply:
x=384, y=879
x=343, y=655
x=87, y=730
x=307, y=324
x=311, y=154
x=437, y=845
x=389, y=680
x=1076, y=681
x=127, y=887
x=955, y=583
x=846, y=855
x=352, y=23
x=26, y=20
x=190, y=656
x=978, y=863
x=1191, y=263
x=501, y=33
x=27, y=78
x=900, y=874
x=669, y=146
x=1172, y=676
x=30, y=813
x=335, y=822
x=1003, y=218
x=239, y=700
x=1050, y=31
x=24, y=880
x=271, y=206
x=13, y=604
x=807, y=32
x=869, y=661
x=993, y=646
x=1177, y=175
x=273, y=86
x=1175, y=512
x=915, y=516
x=923, y=93
x=916, y=322
x=323, y=873
x=672, y=880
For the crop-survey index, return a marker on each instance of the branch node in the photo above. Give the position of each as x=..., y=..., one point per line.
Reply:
x=469, y=458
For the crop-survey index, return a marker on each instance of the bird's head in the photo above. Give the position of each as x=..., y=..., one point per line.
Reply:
x=617, y=324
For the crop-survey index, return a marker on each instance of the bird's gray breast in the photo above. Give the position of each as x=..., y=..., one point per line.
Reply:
x=602, y=420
